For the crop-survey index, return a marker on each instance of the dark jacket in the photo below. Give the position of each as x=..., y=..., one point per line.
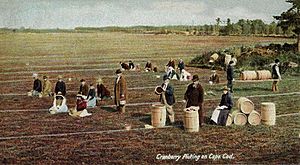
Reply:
x=274, y=72
x=229, y=72
x=60, y=87
x=91, y=94
x=169, y=94
x=102, y=91
x=226, y=100
x=131, y=65
x=194, y=96
x=181, y=65
x=148, y=65
x=84, y=89
x=37, y=85
x=124, y=66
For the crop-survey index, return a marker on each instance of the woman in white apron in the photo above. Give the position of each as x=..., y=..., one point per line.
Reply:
x=59, y=104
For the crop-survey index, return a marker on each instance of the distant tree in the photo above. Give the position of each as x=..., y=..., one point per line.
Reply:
x=272, y=28
x=245, y=25
x=217, y=28
x=291, y=18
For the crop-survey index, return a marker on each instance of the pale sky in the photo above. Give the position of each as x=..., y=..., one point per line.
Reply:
x=98, y=13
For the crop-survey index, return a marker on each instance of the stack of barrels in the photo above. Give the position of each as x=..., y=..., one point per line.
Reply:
x=256, y=75
x=246, y=113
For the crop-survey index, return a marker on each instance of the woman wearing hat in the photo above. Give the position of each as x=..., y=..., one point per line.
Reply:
x=220, y=114
x=80, y=108
x=120, y=91
x=167, y=97
x=194, y=96
x=47, y=87
x=59, y=104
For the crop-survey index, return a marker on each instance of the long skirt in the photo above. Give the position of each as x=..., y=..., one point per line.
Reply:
x=92, y=103
x=58, y=109
x=219, y=116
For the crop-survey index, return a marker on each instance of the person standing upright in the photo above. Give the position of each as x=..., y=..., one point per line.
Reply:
x=167, y=97
x=230, y=72
x=120, y=91
x=60, y=86
x=180, y=66
x=275, y=75
x=194, y=96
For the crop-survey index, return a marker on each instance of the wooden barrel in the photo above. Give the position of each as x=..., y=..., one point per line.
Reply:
x=191, y=120
x=240, y=119
x=158, y=115
x=229, y=120
x=264, y=74
x=254, y=118
x=227, y=59
x=268, y=113
x=248, y=75
x=245, y=105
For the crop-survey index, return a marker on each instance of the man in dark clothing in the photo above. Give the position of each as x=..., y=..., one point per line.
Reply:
x=275, y=75
x=180, y=66
x=60, y=86
x=194, y=96
x=131, y=65
x=220, y=114
x=167, y=98
x=148, y=66
x=124, y=66
x=37, y=86
x=84, y=88
x=229, y=72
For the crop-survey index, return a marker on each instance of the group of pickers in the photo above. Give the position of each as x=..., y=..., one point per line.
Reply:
x=194, y=95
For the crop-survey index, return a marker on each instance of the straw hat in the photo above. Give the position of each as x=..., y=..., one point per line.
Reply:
x=225, y=88
x=59, y=76
x=99, y=80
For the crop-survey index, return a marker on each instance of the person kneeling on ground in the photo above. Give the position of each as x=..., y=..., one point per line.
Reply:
x=91, y=97
x=148, y=66
x=47, y=87
x=124, y=66
x=220, y=114
x=102, y=92
x=214, y=78
x=59, y=104
x=80, y=108
x=37, y=86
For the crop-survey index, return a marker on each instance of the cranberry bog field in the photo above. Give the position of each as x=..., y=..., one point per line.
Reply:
x=31, y=135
